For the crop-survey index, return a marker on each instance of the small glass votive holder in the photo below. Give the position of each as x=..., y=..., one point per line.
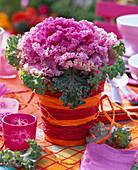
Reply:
x=17, y=128
x=133, y=66
x=6, y=71
x=7, y=106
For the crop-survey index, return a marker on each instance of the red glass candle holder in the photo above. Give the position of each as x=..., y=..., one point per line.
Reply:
x=17, y=128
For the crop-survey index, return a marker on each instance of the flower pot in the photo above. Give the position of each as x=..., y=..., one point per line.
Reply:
x=65, y=126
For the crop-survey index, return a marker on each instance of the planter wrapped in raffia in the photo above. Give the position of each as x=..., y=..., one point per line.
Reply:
x=67, y=127
x=66, y=63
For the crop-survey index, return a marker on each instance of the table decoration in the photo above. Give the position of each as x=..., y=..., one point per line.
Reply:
x=131, y=81
x=6, y=71
x=133, y=66
x=26, y=158
x=128, y=27
x=119, y=138
x=66, y=62
x=120, y=82
x=7, y=105
x=1, y=37
x=17, y=128
x=105, y=157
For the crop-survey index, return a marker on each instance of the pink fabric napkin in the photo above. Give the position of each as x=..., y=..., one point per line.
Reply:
x=104, y=157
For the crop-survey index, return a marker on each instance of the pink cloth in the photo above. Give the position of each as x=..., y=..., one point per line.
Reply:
x=104, y=157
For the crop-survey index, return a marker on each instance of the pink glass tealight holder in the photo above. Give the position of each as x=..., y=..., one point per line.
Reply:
x=7, y=106
x=6, y=71
x=17, y=128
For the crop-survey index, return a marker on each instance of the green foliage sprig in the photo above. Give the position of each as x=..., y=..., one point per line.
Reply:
x=111, y=71
x=33, y=82
x=27, y=158
x=11, y=52
x=120, y=49
x=73, y=86
x=120, y=136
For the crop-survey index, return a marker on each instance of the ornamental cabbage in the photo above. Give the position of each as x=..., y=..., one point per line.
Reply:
x=66, y=56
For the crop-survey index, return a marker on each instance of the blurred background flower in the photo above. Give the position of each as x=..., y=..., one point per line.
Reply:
x=5, y=21
x=43, y=9
x=23, y=20
x=24, y=3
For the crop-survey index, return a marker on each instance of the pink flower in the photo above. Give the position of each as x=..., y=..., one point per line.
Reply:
x=24, y=3
x=43, y=9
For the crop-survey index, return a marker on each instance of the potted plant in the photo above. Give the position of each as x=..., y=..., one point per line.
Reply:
x=66, y=63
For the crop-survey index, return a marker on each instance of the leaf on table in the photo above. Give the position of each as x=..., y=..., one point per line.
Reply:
x=27, y=158
x=120, y=136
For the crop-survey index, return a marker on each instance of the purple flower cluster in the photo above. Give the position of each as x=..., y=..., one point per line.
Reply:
x=57, y=44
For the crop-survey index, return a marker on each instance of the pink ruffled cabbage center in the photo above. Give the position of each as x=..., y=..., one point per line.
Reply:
x=58, y=44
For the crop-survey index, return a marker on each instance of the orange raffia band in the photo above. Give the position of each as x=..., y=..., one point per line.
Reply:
x=105, y=113
x=69, y=122
x=128, y=113
x=113, y=120
x=108, y=117
x=54, y=102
